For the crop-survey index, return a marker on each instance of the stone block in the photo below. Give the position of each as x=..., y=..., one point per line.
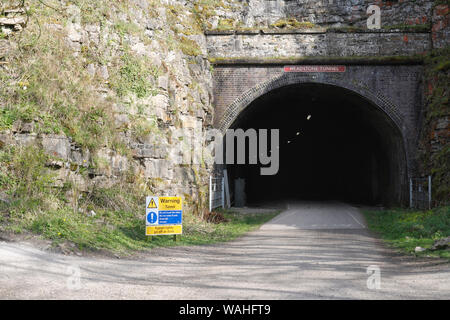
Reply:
x=56, y=146
x=103, y=72
x=190, y=122
x=163, y=82
x=184, y=175
x=119, y=163
x=158, y=168
x=25, y=139
x=146, y=150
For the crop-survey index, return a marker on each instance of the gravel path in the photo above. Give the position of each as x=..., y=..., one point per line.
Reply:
x=310, y=251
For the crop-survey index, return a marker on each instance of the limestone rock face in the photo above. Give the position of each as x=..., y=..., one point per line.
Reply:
x=176, y=96
x=330, y=13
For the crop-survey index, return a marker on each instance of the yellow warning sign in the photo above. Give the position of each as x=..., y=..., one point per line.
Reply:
x=167, y=230
x=170, y=203
x=152, y=204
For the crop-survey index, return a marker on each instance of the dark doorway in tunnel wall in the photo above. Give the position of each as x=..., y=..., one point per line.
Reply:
x=334, y=145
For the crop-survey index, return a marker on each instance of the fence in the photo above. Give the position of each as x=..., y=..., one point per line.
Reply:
x=219, y=191
x=420, y=193
x=216, y=192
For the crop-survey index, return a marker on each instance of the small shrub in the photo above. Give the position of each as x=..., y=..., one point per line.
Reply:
x=135, y=75
x=215, y=217
x=24, y=173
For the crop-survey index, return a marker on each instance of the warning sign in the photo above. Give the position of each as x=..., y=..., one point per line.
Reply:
x=164, y=215
x=164, y=230
x=170, y=203
x=152, y=204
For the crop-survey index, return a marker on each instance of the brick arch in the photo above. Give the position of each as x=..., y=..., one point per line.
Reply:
x=376, y=98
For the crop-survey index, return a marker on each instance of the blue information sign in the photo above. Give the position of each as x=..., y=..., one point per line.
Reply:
x=170, y=217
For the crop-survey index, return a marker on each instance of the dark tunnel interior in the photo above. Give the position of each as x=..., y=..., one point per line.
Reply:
x=334, y=145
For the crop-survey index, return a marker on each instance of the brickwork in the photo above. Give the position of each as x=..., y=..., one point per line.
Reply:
x=396, y=90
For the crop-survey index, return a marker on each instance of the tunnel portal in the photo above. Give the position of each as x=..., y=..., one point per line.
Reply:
x=334, y=145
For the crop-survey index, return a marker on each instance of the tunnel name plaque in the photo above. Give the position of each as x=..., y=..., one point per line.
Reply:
x=315, y=68
x=163, y=216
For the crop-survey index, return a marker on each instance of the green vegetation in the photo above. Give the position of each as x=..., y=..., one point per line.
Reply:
x=205, y=9
x=437, y=64
x=282, y=24
x=54, y=84
x=119, y=225
x=406, y=229
x=57, y=97
x=65, y=214
x=23, y=172
x=63, y=97
x=181, y=24
x=127, y=28
x=225, y=24
x=189, y=47
x=135, y=75
x=349, y=29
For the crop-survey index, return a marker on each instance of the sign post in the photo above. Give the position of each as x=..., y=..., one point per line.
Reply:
x=164, y=216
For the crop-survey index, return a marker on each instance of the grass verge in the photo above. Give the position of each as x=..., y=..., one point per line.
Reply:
x=99, y=218
x=123, y=232
x=407, y=229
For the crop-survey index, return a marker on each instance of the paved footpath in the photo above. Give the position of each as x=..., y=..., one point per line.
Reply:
x=311, y=251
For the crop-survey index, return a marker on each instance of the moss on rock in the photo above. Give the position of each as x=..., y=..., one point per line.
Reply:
x=435, y=138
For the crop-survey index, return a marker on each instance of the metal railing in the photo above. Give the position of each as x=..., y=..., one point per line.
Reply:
x=216, y=192
x=420, y=193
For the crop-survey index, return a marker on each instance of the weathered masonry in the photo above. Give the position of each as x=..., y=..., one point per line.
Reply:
x=380, y=91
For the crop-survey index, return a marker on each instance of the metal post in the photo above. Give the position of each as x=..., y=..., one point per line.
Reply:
x=429, y=192
x=227, y=188
x=210, y=193
x=410, y=193
x=223, y=192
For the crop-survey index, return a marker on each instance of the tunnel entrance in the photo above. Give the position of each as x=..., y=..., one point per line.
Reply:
x=334, y=145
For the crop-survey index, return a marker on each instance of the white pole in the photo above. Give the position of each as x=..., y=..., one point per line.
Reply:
x=210, y=193
x=223, y=192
